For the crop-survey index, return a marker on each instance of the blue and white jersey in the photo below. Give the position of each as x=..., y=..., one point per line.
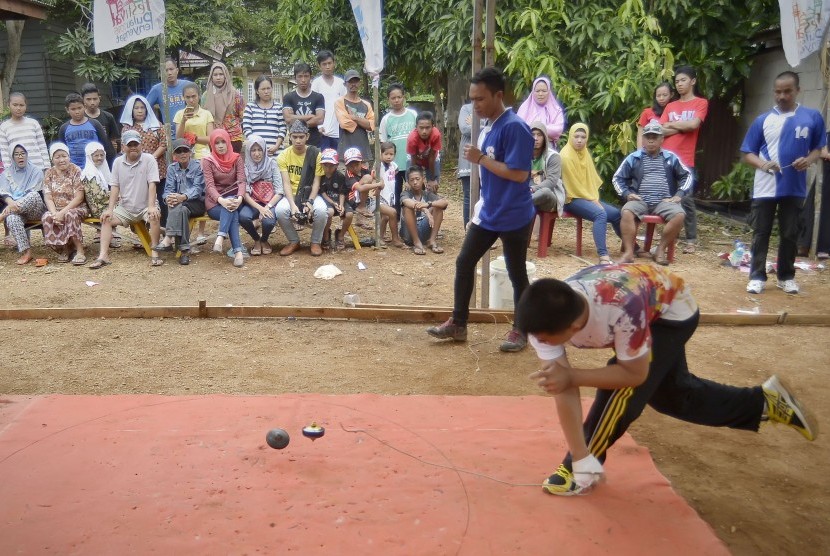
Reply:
x=783, y=138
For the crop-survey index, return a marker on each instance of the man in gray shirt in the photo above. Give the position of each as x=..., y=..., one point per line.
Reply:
x=135, y=177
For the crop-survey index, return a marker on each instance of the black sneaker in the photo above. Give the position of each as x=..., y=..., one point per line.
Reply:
x=449, y=330
x=515, y=341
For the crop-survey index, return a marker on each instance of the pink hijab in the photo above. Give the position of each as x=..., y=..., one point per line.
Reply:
x=551, y=113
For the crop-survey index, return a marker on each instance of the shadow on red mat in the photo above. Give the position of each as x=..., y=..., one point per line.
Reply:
x=413, y=475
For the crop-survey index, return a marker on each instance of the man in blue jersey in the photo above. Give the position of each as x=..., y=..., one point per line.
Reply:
x=504, y=155
x=781, y=144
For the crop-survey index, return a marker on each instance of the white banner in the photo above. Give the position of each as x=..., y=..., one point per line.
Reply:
x=802, y=25
x=369, y=25
x=117, y=23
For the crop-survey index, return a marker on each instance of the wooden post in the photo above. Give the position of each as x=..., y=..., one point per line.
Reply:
x=489, y=60
x=475, y=177
x=165, y=100
x=378, y=164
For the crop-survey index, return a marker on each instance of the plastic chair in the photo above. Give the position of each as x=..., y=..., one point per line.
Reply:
x=547, y=220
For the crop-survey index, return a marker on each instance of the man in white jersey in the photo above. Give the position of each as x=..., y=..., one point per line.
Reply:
x=332, y=88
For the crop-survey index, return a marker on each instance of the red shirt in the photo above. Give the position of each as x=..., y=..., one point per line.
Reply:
x=421, y=150
x=684, y=144
x=647, y=115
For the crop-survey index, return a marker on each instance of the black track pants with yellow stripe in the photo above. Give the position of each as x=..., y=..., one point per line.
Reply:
x=672, y=390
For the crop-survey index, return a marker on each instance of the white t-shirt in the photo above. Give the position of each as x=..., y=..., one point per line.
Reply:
x=330, y=93
x=388, y=174
x=623, y=300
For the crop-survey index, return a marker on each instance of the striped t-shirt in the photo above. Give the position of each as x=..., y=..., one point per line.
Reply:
x=27, y=133
x=655, y=186
x=268, y=123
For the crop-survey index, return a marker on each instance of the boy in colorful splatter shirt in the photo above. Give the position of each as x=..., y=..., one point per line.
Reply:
x=646, y=314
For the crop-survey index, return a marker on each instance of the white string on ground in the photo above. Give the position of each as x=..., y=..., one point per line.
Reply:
x=441, y=465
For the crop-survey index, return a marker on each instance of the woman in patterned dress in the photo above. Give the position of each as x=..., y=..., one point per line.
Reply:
x=63, y=193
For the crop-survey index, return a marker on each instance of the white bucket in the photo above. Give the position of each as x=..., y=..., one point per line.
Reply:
x=501, y=290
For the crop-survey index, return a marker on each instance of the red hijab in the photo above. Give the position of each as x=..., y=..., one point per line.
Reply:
x=224, y=162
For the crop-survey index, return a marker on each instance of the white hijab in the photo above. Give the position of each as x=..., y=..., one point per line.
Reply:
x=99, y=173
x=150, y=121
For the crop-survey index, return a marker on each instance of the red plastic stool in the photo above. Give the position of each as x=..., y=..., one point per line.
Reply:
x=547, y=220
x=651, y=221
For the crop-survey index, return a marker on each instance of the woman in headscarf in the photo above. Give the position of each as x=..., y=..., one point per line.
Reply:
x=63, y=193
x=20, y=187
x=138, y=116
x=225, y=103
x=542, y=106
x=582, y=183
x=225, y=188
x=96, y=178
x=263, y=193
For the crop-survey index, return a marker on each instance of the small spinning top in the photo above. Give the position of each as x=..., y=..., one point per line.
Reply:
x=313, y=431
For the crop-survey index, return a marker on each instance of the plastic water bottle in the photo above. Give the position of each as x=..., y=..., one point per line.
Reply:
x=737, y=254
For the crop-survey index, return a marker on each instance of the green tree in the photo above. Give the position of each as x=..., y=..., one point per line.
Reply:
x=238, y=30
x=604, y=56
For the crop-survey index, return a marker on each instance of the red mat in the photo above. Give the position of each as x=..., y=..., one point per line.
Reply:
x=193, y=475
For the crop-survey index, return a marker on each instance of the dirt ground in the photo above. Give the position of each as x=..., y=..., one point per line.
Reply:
x=762, y=493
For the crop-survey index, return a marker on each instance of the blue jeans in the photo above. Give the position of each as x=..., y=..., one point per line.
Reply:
x=601, y=216
x=228, y=225
x=247, y=215
x=327, y=142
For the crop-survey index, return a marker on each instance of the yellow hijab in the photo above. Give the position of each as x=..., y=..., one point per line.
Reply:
x=578, y=171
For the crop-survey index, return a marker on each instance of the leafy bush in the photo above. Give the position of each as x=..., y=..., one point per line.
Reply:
x=736, y=185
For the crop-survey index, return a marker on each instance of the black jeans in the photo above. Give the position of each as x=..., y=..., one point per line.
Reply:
x=672, y=390
x=761, y=220
x=476, y=243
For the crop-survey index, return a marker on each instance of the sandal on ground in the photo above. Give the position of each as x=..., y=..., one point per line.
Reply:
x=201, y=240
x=163, y=248
x=156, y=261
x=437, y=249
x=24, y=259
x=266, y=248
x=689, y=248
x=115, y=243
x=661, y=259
x=238, y=260
x=399, y=244
x=605, y=260
x=256, y=251
x=10, y=242
x=419, y=251
x=99, y=263
x=79, y=260
x=219, y=246
x=63, y=258
x=339, y=245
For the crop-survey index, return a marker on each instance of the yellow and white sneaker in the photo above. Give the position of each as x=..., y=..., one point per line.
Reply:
x=587, y=474
x=782, y=407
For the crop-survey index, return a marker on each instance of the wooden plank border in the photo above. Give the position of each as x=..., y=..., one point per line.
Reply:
x=361, y=312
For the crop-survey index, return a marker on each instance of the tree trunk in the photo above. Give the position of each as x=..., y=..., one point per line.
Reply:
x=14, y=30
